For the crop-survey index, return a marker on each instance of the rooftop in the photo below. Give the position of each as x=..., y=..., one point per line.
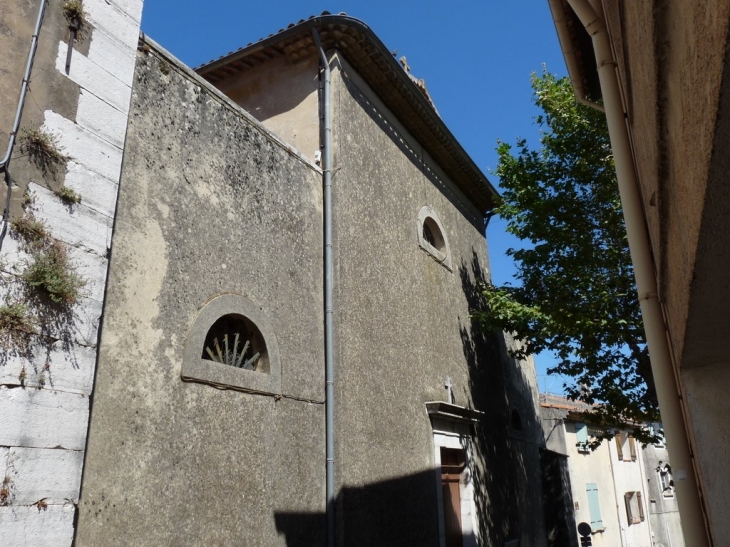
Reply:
x=402, y=93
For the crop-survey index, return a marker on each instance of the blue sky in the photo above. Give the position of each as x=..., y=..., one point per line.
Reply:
x=476, y=57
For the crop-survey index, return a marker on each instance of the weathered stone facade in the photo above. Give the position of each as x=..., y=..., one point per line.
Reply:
x=216, y=214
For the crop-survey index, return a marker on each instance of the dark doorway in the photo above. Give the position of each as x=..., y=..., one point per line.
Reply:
x=453, y=463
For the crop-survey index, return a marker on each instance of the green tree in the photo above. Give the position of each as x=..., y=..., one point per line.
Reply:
x=576, y=295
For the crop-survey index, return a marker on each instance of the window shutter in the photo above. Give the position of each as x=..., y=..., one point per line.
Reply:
x=619, y=448
x=627, y=501
x=593, y=506
x=641, y=506
x=581, y=433
x=632, y=448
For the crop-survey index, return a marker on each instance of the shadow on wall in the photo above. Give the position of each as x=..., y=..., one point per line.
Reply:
x=369, y=521
x=557, y=500
x=507, y=477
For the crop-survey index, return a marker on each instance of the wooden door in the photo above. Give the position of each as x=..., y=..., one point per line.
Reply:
x=453, y=462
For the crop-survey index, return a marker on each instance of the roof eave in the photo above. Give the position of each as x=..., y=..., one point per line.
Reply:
x=489, y=195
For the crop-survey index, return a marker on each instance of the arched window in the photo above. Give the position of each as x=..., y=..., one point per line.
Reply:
x=432, y=236
x=234, y=340
x=231, y=343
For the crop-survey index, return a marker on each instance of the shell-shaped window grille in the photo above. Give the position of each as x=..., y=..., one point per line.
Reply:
x=234, y=340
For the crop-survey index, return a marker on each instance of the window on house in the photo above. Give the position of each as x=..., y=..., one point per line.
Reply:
x=632, y=448
x=231, y=343
x=666, y=483
x=234, y=340
x=634, y=507
x=581, y=434
x=594, y=506
x=626, y=447
x=432, y=236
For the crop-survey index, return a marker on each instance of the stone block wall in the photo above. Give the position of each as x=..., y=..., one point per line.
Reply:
x=46, y=379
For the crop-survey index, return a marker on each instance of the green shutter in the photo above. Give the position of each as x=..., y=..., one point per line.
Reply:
x=581, y=433
x=593, y=506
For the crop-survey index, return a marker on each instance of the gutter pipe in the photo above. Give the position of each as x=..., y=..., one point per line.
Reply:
x=328, y=312
x=686, y=485
x=18, y=114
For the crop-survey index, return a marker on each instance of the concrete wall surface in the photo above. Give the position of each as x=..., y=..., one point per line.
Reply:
x=209, y=203
x=403, y=329
x=47, y=368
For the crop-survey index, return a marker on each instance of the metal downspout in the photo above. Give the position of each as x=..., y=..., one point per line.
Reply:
x=685, y=480
x=16, y=123
x=328, y=318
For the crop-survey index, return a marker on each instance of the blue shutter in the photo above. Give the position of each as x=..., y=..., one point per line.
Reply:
x=594, y=506
x=581, y=433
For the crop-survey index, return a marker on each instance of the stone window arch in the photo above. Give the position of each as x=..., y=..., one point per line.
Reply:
x=231, y=343
x=432, y=237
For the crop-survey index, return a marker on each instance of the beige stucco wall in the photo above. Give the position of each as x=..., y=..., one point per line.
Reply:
x=674, y=75
x=670, y=59
x=283, y=96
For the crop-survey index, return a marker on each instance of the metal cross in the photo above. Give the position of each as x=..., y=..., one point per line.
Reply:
x=450, y=389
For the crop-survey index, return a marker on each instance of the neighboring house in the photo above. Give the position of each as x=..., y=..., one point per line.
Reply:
x=668, y=105
x=614, y=487
x=201, y=236
x=666, y=526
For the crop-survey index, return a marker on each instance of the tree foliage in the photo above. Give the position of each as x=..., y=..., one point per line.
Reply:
x=576, y=295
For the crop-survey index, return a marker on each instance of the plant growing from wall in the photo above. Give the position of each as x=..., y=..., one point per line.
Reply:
x=32, y=232
x=73, y=11
x=49, y=271
x=67, y=195
x=51, y=274
x=164, y=67
x=15, y=323
x=42, y=375
x=42, y=149
x=6, y=493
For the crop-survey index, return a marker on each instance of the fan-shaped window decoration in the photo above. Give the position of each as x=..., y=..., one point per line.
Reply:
x=432, y=236
x=231, y=343
x=234, y=340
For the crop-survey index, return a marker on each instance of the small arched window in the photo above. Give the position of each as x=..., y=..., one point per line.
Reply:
x=231, y=343
x=236, y=341
x=432, y=236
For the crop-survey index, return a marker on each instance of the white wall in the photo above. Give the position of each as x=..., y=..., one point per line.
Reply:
x=629, y=477
x=592, y=467
x=44, y=424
